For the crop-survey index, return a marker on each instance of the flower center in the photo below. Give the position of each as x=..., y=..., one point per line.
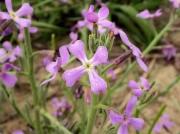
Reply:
x=13, y=15
x=88, y=65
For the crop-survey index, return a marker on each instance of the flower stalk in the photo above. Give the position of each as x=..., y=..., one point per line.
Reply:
x=92, y=115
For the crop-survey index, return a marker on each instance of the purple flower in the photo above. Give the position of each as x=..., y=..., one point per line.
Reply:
x=147, y=15
x=21, y=32
x=99, y=18
x=169, y=52
x=8, y=53
x=7, y=77
x=18, y=16
x=18, y=132
x=112, y=73
x=164, y=122
x=53, y=67
x=73, y=75
x=139, y=88
x=91, y=18
x=135, y=51
x=176, y=3
x=125, y=120
x=60, y=106
x=84, y=23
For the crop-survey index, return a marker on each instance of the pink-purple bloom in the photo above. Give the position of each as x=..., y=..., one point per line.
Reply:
x=99, y=18
x=135, y=51
x=125, y=120
x=164, y=122
x=7, y=75
x=169, y=51
x=60, y=106
x=18, y=16
x=54, y=66
x=8, y=53
x=147, y=15
x=18, y=132
x=98, y=85
x=139, y=88
x=175, y=3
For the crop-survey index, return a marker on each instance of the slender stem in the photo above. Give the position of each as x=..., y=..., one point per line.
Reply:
x=31, y=66
x=28, y=49
x=159, y=36
x=156, y=118
x=92, y=115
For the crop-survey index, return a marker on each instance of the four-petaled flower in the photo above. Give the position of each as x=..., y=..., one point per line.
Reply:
x=54, y=66
x=98, y=85
x=60, y=107
x=145, y=14
x=139, y=88
x=8, y=53
x=169, y=51
x=7, y=77
x=164, y=122
x=18, y=16
x=135, y=51
x=125, y=120
x=100, y=19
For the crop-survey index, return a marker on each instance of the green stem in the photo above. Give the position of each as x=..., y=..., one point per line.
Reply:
x=28, y=49
x=156, y=119
x=54, y=121
x=159, y=36
x=92, y=115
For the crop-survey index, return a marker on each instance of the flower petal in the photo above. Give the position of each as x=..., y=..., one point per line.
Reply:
x=4, y=16
x=91, y=8
x=33, y=29
x=73, y=36
x=77, y=49
x=48, y=80
x=103, y=12
x=8, y=5
x=7, y=45
x=138, y=92
x=73, y=75
x=130, y=106
x=142, y=64
x=25, y=10
x=115, y=118
x=9, y=80
x=133, y=84
x=18, y=132
x=53, y=67
x=23, y=22
x=144, y=14
x=137, y=123
x=101, y=56
x=105, y=23
x=144, y=82
x=64, y=54
x=98, y=85
x=123, y=129
x=3, y=55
